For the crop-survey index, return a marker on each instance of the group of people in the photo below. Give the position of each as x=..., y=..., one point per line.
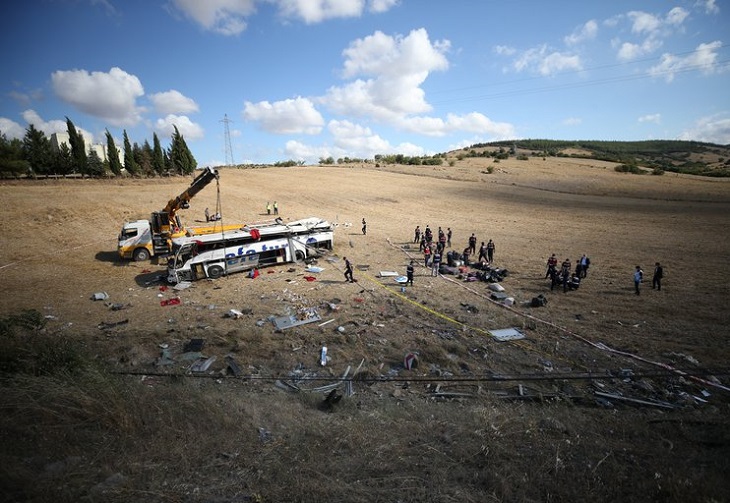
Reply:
x=656, y=280
x=211, y=218
x=269, y=207
x=433, y=248
x=565, y=275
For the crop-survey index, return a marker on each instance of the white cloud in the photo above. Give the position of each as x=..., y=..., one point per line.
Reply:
x=473, y=122
x=655, y=118
x=572, y=121
x=316, y=11
x=11, y=129
x=173, y=102
x=110, y=96
x=504, y=50
x=189, y=129
x=629, y=51
x=676, y=16
x=704, y=59
x=710, y=6
x=226, y=17
x=55, y=126
x=379, y=6
x=395, y=68
x=713, y=129
x=544, y=62
x=26, y=98
x=643, y=23
x=285, y=117
x=586, y=32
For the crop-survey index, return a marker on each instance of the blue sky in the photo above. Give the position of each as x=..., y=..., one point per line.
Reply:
x=306, y=79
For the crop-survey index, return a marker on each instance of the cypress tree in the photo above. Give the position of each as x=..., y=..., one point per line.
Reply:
x=129, y=162
x=181, y=158
x=158, y=158
x=112, y=154
x=78, y=149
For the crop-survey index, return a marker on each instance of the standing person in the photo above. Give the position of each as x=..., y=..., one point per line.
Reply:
x=268, y=207
x=417, y=234
x=409, y=274
x=490, y=251
x=276, y=208
x=426, y=255
x=207, y=215
x=466, y=255
x=364, y=226
x=638, y=278
x=472, y=244
x=436, y=263
x=552, y=264
x=442, y=239
x=565, y=267
x=448, y=237
x=423, y=244
x=482, y=252
x=348, y=271
x=656, y=280
x=584, y=263
x=428, y=234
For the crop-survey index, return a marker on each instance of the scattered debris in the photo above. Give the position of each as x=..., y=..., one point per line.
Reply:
x=232, y=366
x=233, y=313
x=175, y=301
x=107, y=325
x=182, y=285
x=410, y=361
x=202, y=365
x=194, y=346
x=304, y=316
x=323, y=358
x=332, y=399
x=100, y=296
x=314, y=269
x=388, y=274
x=507, y=334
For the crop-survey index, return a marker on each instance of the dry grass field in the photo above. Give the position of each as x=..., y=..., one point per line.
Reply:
x=611, y=396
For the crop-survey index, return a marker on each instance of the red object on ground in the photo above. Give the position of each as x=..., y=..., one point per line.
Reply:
x=170, y=302
x=163, y=288
x=310, y=278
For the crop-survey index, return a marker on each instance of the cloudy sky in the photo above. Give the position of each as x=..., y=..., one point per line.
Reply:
x=306, y=79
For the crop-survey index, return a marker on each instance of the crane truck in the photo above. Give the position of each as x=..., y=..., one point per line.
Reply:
x=141, y=239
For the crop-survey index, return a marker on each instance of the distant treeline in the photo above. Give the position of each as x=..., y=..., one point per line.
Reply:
x=658, y=155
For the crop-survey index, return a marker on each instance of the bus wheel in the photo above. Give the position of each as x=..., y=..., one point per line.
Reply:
x=215, y=272
x=141, y=254
x=299, y=255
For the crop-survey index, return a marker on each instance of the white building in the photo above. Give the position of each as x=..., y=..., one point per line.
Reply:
x=58, y=139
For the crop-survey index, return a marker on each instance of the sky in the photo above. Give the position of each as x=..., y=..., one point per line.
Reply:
x=304, y=80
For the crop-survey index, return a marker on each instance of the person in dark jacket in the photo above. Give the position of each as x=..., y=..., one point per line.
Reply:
x=656, y=280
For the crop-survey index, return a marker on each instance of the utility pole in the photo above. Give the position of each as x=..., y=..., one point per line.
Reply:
x=227, y=140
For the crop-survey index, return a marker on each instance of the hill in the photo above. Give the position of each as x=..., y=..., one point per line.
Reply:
x=689, y=157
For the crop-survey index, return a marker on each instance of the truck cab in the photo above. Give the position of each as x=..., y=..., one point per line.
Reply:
x=135, y=241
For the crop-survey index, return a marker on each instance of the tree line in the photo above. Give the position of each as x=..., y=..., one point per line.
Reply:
x=35, y=155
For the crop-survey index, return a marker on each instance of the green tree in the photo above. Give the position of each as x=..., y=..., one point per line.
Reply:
x=181, y=159
x=37, y=150
x=130, y=164
x=112, y=154
x=94, y=164
x=143, y=158
x=78, y=148
x=11, y=157
x=63, y=162
x=158, y=158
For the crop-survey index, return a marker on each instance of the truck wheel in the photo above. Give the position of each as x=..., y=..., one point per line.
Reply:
x=141, y=254
x=215, y=272
x=299, y=255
